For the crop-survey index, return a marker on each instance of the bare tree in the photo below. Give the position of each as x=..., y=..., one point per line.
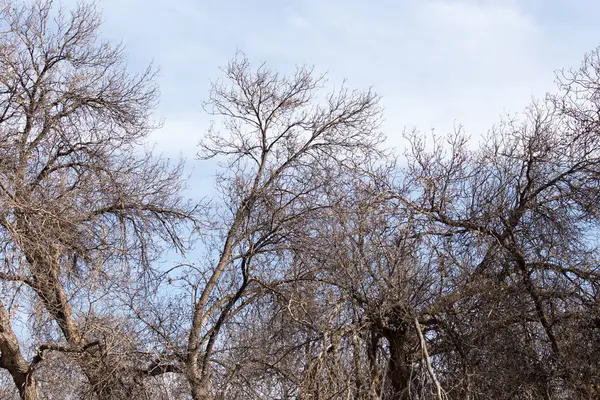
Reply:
x=83, y=206
x=469, y=273
x=281, y=144
x=331, y=269
x=511, y=222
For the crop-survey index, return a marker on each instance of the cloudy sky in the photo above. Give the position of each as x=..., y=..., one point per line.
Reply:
x=437, y=63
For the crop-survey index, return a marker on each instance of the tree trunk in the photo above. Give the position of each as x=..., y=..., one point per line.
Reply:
x=398, y=369
x=200, y=392
x=25, y=382
x=13, y=361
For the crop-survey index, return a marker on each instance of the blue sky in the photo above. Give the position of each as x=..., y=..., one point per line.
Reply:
x=437, y=63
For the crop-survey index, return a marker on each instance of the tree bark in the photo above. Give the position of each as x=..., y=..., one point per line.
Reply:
x=200, y=391
x=13, y=361
x=398, y=368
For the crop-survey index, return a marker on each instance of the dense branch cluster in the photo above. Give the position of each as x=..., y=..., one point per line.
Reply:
x=325, y=268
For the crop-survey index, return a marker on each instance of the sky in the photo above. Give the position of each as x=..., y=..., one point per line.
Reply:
x=436, y=63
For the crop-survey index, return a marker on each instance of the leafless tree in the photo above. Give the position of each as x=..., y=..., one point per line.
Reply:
x=281, y=140
x=330, y=269
x=469, y=273
x=84, y=207
x=510, y=223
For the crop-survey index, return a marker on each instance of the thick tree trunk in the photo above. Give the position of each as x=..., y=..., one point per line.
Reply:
x=398, y=370
x=200, y=392
x=13, y=361
x=199, y=383
x=25, y=382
